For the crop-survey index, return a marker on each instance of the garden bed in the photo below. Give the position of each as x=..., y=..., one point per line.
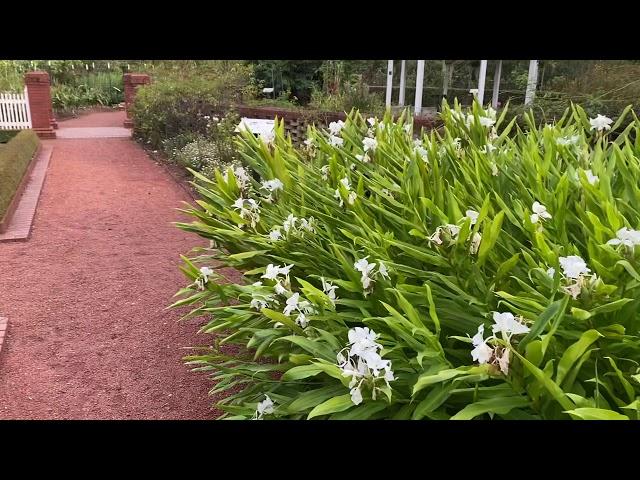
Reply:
x=16, y=162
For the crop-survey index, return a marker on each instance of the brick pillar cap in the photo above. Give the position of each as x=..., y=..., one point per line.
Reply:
x=136, y=78
x=36, y=77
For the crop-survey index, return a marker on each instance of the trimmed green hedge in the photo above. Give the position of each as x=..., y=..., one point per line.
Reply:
x=15, y=157
x=6, y=135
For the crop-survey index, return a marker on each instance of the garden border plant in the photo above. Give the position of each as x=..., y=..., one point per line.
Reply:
x=466, y=274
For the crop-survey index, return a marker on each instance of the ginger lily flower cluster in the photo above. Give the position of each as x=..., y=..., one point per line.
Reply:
x=364, y=364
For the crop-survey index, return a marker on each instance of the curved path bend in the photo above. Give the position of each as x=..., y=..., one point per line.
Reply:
x=89, y=336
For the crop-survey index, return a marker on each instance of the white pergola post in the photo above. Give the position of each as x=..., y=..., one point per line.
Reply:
x=402, y=82
x=496, y=85
x=531, y=83
x=481, y=81
x=389, y=82
x=445, y=79
x=419, y=85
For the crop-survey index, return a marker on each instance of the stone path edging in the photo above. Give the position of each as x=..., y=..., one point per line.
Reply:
x=20, y=224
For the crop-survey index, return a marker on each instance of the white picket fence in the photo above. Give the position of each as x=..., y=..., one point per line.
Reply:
x=14, y=111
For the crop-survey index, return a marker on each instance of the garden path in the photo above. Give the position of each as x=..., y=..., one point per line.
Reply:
x=88, y=335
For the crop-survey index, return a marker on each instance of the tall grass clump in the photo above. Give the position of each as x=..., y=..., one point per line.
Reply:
x=479, y=271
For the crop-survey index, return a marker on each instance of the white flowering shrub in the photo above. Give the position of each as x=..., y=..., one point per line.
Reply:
x=478, y=272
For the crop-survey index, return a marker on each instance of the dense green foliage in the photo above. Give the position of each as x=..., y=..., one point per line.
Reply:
x=479, y=226
x=205, y=153
x=6, y=135
x=173, y=106
x=15, y=157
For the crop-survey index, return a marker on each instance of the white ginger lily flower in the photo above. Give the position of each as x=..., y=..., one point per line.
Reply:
x=551, y=272
x=325, y=172
x=258, y=303
x=475, y=243
x=371, y=121
x=352, y=198
x=275, y=234
x=591, y=178
x=482, y=352
x=356, y=395
x=206, y=272
x=279, y=289
x=382, y=270
x=600, y=123
x=503, y=361
x=292, y=304
x=301, y=320
x=506, y=323
x=363, y=266
x=539, y=212
x=271, y=272
x=568, y=140
x=329, y=289
x=273, y=185
x=424, y=154
x=307, y=225
x=336, y=141
x=265, y=407
x=336, y=127
x=573, y=266
x=289, y=223
x=486, y=121
x=473, y=215
x=628, y=238
x=454, y=230
x=369, y=144
x=488, y=148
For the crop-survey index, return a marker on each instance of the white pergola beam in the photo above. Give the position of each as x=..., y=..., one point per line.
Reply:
x=389, y=83
x=481, y=81
x=531, y=83
x=419, y=86
x=402, y=82
x=496, y=85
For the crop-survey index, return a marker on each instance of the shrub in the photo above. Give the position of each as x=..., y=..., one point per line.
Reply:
x=170, y=107
x=15, y=158
x=205, y=153
x=353, y=94
x=467, y=275
x=6, y=135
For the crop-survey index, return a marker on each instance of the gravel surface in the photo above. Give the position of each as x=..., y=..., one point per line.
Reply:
x=89, y=336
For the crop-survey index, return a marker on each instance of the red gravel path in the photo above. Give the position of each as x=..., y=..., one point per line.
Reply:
x=96, y=119
x=89, y=336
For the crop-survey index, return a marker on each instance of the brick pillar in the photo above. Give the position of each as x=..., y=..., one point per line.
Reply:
x=131, y=83
x=39, y=91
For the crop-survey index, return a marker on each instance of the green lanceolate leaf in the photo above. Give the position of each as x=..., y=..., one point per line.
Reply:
x=595, y=414
x=335, y=404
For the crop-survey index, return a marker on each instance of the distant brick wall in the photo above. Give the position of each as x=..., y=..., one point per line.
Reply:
x=131, y=82
x=39, y=91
